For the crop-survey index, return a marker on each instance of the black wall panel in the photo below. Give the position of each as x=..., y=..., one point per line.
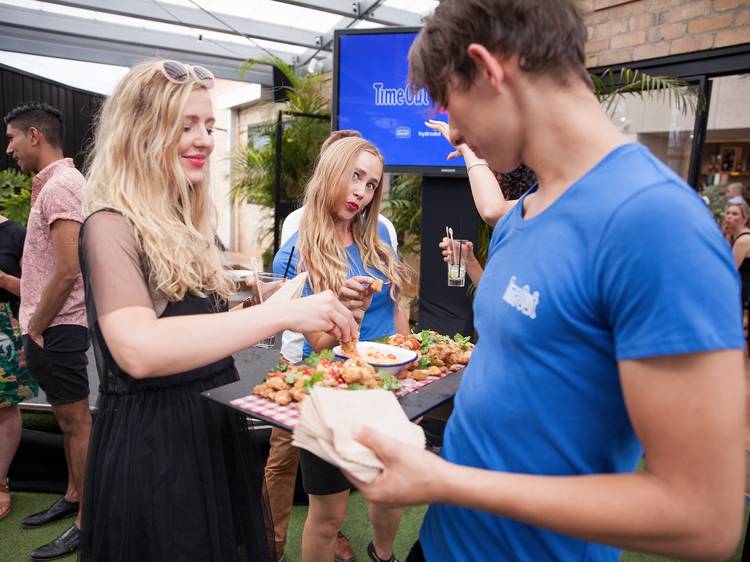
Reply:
x=77, y=106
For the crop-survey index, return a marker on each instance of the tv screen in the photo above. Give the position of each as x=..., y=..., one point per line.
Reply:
x=371, y=95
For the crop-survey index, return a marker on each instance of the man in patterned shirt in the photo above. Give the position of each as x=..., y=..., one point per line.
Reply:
x=53, y=314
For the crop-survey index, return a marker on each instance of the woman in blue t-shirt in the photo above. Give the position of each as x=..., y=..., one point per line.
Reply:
x=344, y=249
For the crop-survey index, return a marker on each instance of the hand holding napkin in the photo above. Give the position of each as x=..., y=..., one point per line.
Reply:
x=328, y=418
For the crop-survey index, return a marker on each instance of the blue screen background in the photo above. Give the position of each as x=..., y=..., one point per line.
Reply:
x=395, y=126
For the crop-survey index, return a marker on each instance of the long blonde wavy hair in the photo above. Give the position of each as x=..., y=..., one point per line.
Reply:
x=321, y=253
x=134, y=168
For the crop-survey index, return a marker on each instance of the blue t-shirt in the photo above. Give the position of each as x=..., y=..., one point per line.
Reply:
x=379, y=318
x=628, y=263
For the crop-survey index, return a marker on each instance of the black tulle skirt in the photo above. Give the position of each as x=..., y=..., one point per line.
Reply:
x=174, y=477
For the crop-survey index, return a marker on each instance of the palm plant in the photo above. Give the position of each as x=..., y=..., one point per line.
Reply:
x=608, y=88
x=403, y=207
x=255, y=166
x=717, y=200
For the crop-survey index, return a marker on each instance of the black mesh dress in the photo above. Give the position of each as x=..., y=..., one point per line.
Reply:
x=171, y=476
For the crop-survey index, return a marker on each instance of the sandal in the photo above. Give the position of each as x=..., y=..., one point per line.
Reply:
x=5, y=505
x=375, y=558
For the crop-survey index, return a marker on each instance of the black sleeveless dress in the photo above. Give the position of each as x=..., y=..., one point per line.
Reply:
x=744, y=271
x=171, y=476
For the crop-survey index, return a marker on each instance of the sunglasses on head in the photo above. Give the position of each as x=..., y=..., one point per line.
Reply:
x=180, y=73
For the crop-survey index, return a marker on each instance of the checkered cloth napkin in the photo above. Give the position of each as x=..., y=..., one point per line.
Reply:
x=288, y=416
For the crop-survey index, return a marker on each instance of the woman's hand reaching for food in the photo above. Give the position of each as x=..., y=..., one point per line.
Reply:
x=321, y=313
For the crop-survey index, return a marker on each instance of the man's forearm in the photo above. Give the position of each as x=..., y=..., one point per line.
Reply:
x=635, y=511
x=53, y=298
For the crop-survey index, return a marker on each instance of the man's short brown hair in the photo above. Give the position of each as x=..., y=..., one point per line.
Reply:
x=549, y=36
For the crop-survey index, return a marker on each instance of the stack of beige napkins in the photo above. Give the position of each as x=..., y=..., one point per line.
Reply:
x=328, y=418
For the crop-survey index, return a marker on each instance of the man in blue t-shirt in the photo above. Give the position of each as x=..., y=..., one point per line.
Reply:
x=608, y=316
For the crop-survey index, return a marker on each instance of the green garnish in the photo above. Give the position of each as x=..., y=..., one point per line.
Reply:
x=281, y=367
x=461, y=340
x=291, y=378
x=316, y=378
x=427, y=339
x=424, y=362
x=356, y=386
x=314, y=358
x=389, y=382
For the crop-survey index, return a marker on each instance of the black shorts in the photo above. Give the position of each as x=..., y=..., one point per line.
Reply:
x=60, y=366
x=320, y=478
x=416, y=554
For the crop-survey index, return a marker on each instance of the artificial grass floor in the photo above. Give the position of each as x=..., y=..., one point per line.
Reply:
x=16, y=543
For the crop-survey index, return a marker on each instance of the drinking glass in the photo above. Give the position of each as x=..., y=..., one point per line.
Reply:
x=262, y=285
x=457, y=263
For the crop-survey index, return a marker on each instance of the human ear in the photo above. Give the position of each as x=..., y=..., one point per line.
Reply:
x=33, y=135
x=488, y=65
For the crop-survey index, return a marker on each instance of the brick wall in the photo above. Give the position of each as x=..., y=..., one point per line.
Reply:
x=622, y=31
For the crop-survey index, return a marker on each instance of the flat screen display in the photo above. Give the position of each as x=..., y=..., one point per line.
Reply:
x=371, y=95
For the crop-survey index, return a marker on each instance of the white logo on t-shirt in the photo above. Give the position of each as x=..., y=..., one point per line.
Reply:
x=521, y=298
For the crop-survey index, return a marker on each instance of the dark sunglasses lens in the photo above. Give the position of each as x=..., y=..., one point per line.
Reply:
x=176, y=71
x=202, y=73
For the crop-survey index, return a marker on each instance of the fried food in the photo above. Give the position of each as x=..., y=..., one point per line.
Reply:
x=376, y=285
x=349, y=348
x=292, y=383
x=438, y=354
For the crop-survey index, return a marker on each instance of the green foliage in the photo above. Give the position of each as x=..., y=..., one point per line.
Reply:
x=609, y=86
x=404, y=208
x=255, y=168
x=15, y=195
x=717, y=200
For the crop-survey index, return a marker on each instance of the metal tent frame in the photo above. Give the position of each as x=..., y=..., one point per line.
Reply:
x=85, y=38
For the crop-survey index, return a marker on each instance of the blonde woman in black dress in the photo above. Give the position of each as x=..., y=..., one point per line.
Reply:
x=171, y=476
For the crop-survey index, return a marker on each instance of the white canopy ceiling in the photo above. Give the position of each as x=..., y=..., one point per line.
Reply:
x=220, y=34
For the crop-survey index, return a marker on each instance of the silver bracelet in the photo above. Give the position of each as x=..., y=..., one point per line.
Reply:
x=477, y=163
